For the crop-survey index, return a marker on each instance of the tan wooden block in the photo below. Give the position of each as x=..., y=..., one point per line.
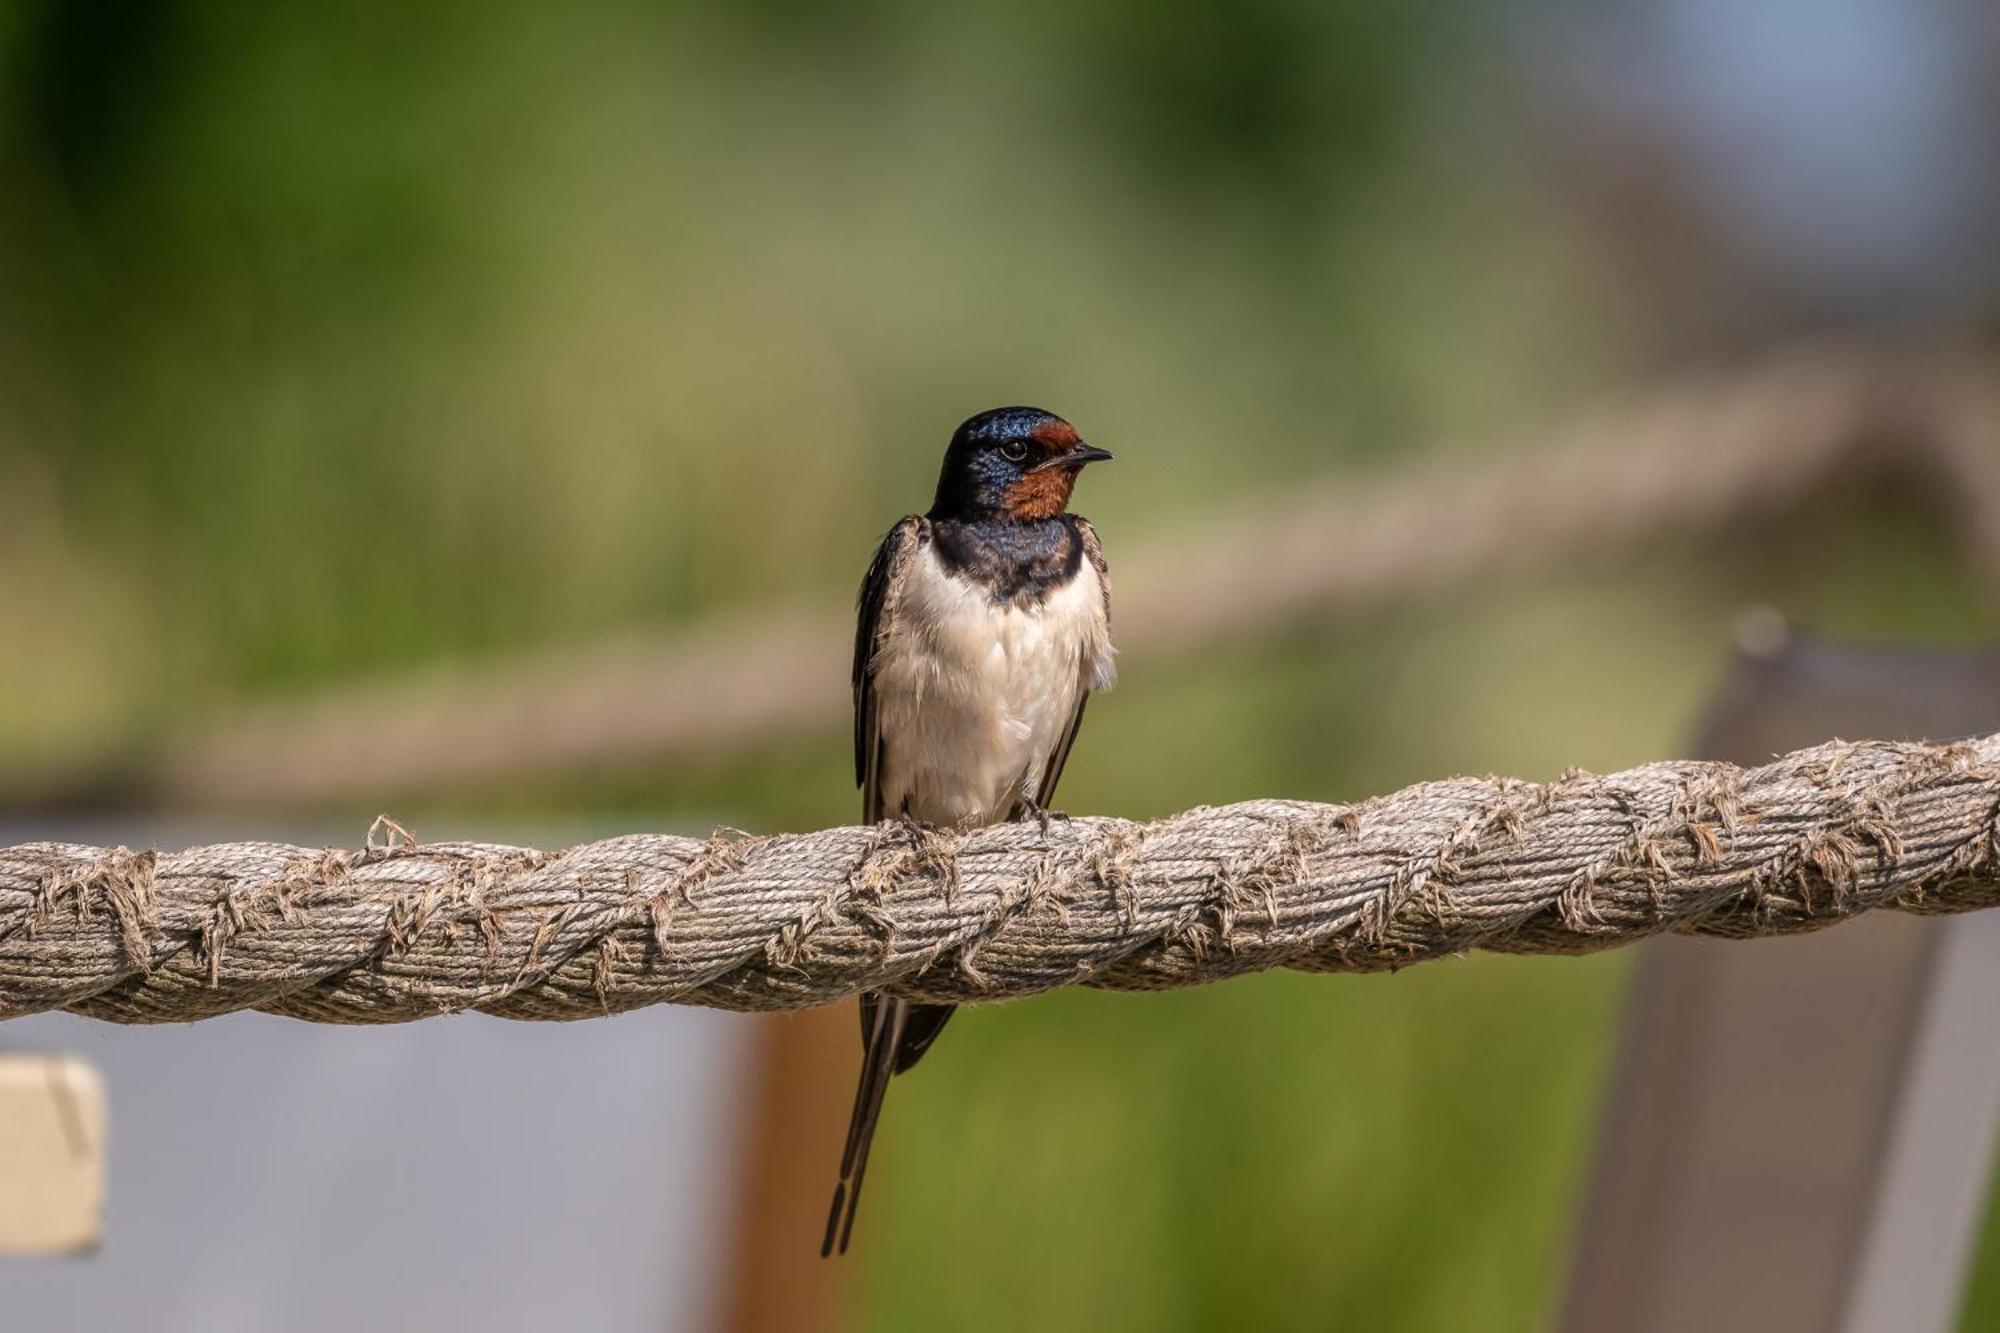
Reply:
x=52, y=1122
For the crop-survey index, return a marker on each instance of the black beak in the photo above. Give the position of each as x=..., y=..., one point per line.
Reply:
x=1077, y=457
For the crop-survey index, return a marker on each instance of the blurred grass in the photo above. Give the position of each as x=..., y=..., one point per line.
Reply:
x=1275, y=1153
x=1981, y=1309
x=335, y=339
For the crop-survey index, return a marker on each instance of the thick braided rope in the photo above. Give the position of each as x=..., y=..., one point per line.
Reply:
x=402, y=931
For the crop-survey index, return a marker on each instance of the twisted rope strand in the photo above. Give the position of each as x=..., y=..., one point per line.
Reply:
x=400, y=930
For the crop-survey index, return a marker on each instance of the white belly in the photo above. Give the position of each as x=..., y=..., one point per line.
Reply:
x=973, y=698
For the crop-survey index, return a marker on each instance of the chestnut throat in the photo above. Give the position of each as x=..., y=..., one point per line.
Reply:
x=1039, y=495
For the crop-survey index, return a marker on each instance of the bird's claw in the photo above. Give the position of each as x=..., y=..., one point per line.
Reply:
x=1042, y=815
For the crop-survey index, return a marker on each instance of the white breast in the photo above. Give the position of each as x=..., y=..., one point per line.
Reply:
x=972, y=698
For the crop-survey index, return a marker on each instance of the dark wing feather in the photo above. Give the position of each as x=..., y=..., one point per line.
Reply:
x=878, y=590
x=894, y=1033
x=1060, y=755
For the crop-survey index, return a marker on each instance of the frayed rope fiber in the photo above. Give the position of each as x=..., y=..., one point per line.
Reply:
x=400, y=930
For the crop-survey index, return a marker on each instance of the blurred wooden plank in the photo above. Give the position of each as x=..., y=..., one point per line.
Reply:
x=51, y=1154
x=1938, y=1165
x=1757, y=1118
x=1749, y=1104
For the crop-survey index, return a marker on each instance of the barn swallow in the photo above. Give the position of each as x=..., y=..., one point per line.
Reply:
x=984, y=626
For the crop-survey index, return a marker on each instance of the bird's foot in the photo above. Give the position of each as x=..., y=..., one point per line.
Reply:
x=916, y=830
x=1042, y=815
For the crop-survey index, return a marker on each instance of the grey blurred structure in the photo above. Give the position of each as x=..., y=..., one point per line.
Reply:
x=460, y=1173
x=1871, y=1047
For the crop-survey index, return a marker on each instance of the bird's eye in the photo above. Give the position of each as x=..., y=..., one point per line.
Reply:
x=1013, y=451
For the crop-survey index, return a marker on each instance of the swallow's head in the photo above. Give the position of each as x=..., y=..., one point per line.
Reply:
x=1015, y=463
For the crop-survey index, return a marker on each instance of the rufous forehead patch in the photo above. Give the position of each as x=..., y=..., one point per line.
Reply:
x=1056, y=434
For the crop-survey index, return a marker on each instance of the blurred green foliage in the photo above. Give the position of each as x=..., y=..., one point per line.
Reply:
x=338, y=339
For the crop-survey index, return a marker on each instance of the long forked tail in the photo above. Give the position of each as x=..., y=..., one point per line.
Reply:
x=888, y=1019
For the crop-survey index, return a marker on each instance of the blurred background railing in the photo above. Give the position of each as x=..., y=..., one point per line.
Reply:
x=1700, y=461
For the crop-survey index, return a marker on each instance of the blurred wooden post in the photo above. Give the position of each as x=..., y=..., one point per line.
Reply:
x=1871, y=1046
x=802, y=1089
